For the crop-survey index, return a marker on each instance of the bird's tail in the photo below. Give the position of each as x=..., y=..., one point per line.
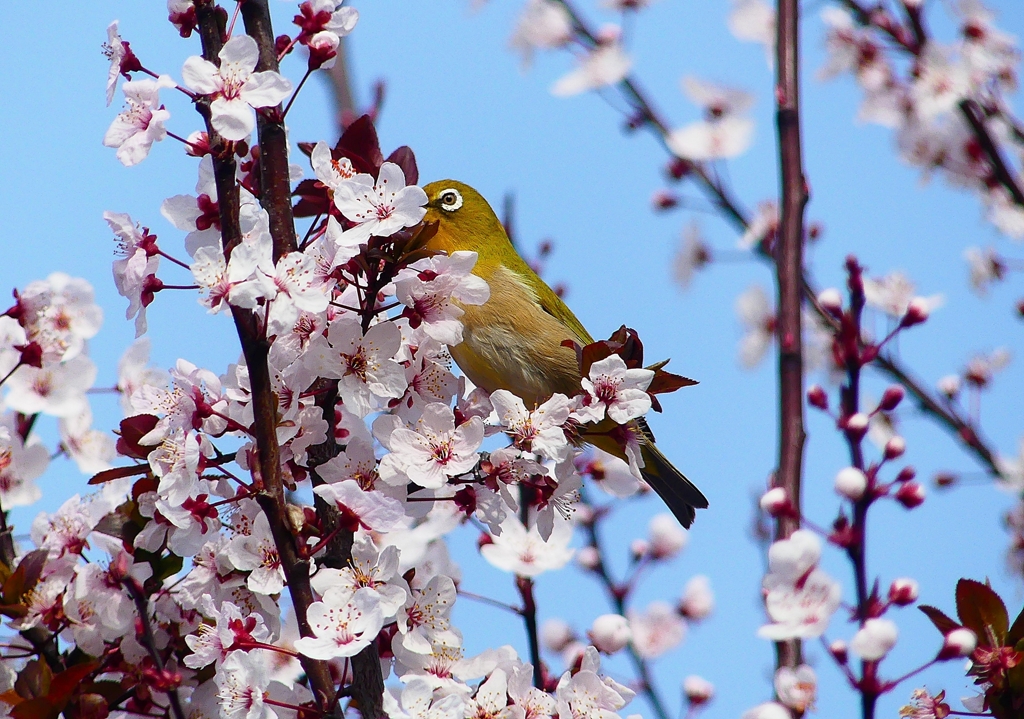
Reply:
x=679, y=493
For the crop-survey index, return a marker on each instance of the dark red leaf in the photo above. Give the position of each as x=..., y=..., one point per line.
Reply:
x=25, y=576
x=35, y=709
x=108, y=475
x=943, y=623
x=359, y=144
x=982, y=611
x=132, y=430
x=64, y=685
x=668, y=382
x=404, y=158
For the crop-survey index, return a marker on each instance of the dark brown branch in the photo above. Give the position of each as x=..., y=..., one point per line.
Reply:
x=275, y=186
x=524, y=585
x=265, y=405
x=789, y=274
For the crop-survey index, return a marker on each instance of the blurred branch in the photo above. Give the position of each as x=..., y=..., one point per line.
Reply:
x=733, y=212
x=788, y=275
x=340, y=81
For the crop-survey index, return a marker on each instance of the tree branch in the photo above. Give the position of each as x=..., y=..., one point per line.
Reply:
x=788, y=274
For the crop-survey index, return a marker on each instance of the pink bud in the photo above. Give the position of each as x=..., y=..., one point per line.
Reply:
x=698, y=690
x=838, y=650
x=664, y=200
x=588, y=558
x=678, y=168
x=891, y=398
x=949, y=386
x=895, y=447
x=903, y=591
x=851, y=483
x=610, y=633
x=910, y=494
x=906, y=474
x=556, y=635
x=639, y=548
x=958, y=643
x=917, y=312
x=831, y=301
x=776, y=502
x=697, y=601
x=816, y=397
x=667, y=538
x=857, y=425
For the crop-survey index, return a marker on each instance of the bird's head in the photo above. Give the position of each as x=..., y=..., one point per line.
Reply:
x=465, y=221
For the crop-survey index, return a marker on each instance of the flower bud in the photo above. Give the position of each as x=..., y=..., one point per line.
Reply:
x=856, y=425
x=910, y=494
x=949, y=386
x=556, y=635
x=831, y=301
x=874, y=640
x=895, y=447
x=816, y=397
x=776, y=502
x=839, y=650
x=678, y=168
x=667, y=538
x=958, y=643
x=664, y=200
x=851, y=483
x=610, y=633
x=639, y=548
x=588, y=558
x=891, y=398
x=698, y=601
x=945, y=479
x=698, y=690
x=903, y=591
x=906, y=474
x=917, y=312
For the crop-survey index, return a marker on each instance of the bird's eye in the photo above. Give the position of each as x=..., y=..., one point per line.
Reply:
x=451, y=199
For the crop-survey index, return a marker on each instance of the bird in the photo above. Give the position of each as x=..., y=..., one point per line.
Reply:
x=516, y=340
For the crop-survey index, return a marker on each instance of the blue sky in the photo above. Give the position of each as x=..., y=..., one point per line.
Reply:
x=462, y=101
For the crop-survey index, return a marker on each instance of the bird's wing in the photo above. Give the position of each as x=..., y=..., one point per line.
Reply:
x=553, y=305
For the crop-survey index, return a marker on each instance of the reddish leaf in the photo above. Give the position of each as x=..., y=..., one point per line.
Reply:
x=64, y=685
x=25, y=576
x=404, y=158
x=1016, y=632
x=664, y=382
x=943, y=623
x=132, y=430
x=982, y=611
x=35, y=709
x=359, y=144
x=109, y=475
x=33, y=679
x=313, y=199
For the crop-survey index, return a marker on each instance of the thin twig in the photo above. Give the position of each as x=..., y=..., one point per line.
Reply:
x=149, y=640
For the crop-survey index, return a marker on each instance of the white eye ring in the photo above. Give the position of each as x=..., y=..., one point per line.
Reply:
x=454, y=204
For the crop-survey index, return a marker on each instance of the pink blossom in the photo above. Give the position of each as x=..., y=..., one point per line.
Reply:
x=234, y=87
x=436, y=450
x=656, y=630
x=874, y=640
x=610, y=633
x=539, y=431
x=363, y=509
x=606, y=64
x=797, y=688
x=614, y=390
x=139, y=125
x=542, y=24
x=524, y=553
x=381, y=207
x=343, y=624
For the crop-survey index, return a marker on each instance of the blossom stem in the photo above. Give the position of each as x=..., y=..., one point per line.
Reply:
x=302, y=712
x=288, y=48
x=312, y=226
x=271, y=647
x=234, y=18
x=296, y=93
x=311, y=551
x=493, y=602
x=892, y=684
x=179, y=287
x=175, y=260
x=13, y=370
x=181, y=139
x=138, y=596
x=529, y=614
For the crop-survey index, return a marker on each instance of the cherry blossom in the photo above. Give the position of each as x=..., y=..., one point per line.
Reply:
x=242, y=680
x=698, y=601
x=524, y=552
x=381, y=207
x=692, y=256
x=371, y=570
x=58, y=390
x=874, y=640
x=796, y=688
x=91, y=449
x=610, y=633
x=139, y=262
x=197, y=215
x=436, y=450
x=586, y=694
x=213, y=643
x=135, y=129
x=20, y=464
x=656, y=630
x=360, y=508
x=754, y=21
x=724, y=133
x=539, y=431
x=416, y=701
x=758, y=318
x=343, y=624
x=606, y=64
x=234, y=87
x=428, y=287
x=257, y=553
x=667, y=538
x=425, y=619
x=614, y=390
x=542, y=24
x=115, y=50
x=893, y=294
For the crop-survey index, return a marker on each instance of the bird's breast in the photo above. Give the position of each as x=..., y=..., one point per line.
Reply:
x=511, y=343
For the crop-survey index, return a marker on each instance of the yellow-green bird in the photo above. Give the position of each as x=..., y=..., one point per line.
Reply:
x=514, y=341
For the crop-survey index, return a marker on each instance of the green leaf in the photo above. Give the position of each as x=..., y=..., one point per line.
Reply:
x=943, y=623
x=981, y=610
